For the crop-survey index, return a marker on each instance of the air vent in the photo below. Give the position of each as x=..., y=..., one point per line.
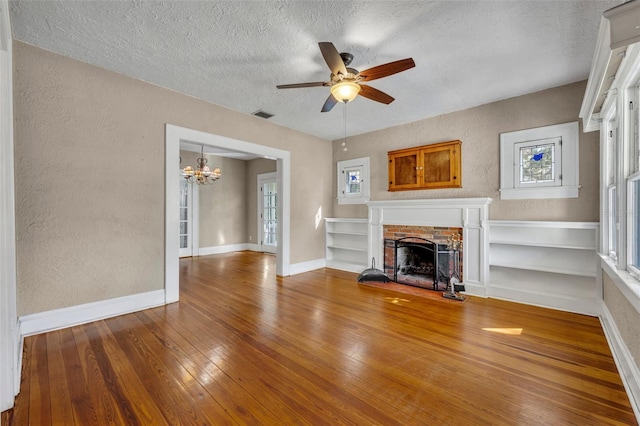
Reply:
x=262, y=114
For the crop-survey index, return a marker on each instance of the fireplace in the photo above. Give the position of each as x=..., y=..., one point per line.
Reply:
x=466, y=216
x=418, y=262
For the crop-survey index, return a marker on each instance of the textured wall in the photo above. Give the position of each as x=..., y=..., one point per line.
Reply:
x=254, y=168
x=90, y=225
x=626, y=317
x=222, y=206
x=479, y=130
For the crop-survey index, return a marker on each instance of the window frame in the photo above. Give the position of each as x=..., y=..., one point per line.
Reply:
x=567, y=169
x=632, y=245
x=633, y=178
x=557, y=155
x=622, y=106
x=610, y=166
x=343, y=167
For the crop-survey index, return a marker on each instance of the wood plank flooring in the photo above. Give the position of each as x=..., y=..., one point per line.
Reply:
x=245, y=347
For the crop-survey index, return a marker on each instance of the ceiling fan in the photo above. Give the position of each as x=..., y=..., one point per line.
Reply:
x=346, y=82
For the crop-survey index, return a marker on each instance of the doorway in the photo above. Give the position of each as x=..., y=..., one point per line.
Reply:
x=173, y=137
x=267, y=212
x=188, y=221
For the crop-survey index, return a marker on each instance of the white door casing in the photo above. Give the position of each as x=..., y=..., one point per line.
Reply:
x=9, y=338
x=173, y=135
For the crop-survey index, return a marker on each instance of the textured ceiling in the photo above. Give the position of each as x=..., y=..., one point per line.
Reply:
x=234, y=53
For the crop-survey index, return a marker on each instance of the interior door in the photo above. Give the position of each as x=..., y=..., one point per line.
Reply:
x=186, y=219
x=267, y=212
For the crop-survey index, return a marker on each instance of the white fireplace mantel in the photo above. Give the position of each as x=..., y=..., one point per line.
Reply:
x=470, y=214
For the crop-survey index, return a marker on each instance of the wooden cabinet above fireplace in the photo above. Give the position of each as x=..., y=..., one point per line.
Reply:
x=426, y=167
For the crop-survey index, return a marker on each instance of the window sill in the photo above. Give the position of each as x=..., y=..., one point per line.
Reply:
x=626, y=283
x=359, y=200
x=539, y=192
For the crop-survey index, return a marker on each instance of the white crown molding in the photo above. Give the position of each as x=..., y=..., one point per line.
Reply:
x=618, y=30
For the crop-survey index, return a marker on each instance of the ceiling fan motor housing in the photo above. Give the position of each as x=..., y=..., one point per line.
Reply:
x=346, y=58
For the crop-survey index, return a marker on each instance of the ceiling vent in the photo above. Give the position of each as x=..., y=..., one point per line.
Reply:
x=262, y=114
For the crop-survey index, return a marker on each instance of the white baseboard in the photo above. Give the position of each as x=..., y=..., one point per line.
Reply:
x=311, y=265
x=57, y=319
x=474, y=289
x=344, y=266
x=629, y=372
x=586, y=306
x=206, y=251
x=252, y=247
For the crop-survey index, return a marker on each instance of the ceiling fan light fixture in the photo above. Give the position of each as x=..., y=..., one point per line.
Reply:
x=345, y=91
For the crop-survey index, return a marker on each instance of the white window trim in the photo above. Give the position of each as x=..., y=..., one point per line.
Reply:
x=616, y=108
x=569, y=187
x=612, y=224
x=342, y=166
x=633, y=270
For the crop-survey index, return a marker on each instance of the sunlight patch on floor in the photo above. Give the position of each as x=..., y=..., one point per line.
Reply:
x=512, y=331
x=396, y=300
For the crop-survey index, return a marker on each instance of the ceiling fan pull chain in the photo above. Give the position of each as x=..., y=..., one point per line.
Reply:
x=344, y=114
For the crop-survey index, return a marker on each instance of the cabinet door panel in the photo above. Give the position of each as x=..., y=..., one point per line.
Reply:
x=403, y=170
x=437, y=166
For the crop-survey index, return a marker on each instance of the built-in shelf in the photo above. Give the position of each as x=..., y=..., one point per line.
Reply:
x=347, y=248
x=347, y=233
x=546, y=263
x=565, y=271
x=347, y=244
x=538, y=244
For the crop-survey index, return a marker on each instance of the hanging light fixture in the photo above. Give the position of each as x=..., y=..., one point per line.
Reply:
x=202, y=175
x=345, y=91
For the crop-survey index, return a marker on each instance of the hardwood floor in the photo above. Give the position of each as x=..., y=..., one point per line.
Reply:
x=245, y=347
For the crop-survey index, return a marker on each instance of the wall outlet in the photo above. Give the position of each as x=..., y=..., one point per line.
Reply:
x=250, y=238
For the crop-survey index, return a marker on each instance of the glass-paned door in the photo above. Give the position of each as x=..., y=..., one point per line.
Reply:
x=186, y=221
x=268, y=212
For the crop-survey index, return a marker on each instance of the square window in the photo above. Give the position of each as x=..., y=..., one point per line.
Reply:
x=539, y=163
x=353, y=181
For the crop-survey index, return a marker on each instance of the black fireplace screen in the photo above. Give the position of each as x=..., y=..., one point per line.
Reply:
x=418, y=262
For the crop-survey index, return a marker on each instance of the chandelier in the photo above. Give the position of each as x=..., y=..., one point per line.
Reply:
x=201, y=175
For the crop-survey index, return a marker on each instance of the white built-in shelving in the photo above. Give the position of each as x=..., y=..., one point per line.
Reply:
x=545, y=263
x=346, y=244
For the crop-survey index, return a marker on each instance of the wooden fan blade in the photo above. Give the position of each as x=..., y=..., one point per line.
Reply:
x=332, y=58
x=297, y=85
x=375, y=94
x=387, y=69
x=329, y=103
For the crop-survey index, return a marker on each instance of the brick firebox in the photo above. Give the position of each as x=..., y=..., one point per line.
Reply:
x=435, y=234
